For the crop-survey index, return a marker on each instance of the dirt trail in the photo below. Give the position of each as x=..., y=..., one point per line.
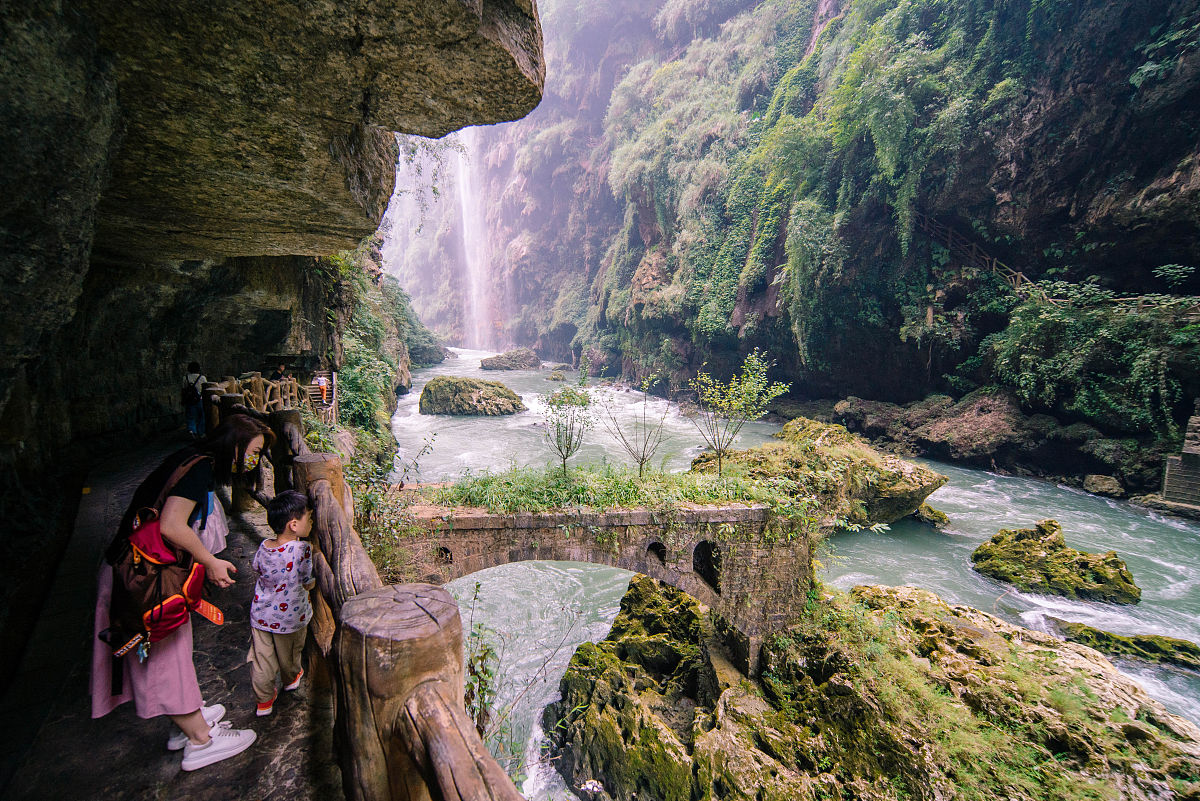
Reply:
x=827, y=12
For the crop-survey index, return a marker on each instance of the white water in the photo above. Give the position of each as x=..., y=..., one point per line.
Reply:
x=477, y=327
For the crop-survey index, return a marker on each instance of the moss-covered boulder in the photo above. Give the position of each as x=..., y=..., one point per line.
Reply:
x=885, y=693
x=851, y=480
x=557, y=375
x=468, y=396
x=1038, y=560
x=517, y=359
x=1148, y=647
x=930, y=516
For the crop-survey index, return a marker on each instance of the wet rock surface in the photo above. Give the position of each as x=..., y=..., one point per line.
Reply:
x=886, y=693
x=988, y=428
x=851, y=480
x=467, y=396
x=1148, y=647
x=517, y=359
x=1038, y=560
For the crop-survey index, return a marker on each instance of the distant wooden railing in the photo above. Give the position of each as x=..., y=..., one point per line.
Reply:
x=395, y=654
x=969, y=253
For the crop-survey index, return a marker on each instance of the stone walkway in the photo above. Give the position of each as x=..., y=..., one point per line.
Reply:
x=51, y=748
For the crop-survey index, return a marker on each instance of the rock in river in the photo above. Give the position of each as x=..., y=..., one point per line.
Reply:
x=466, y=396
x=518, y=359
x=1038, y=560
x=885, y=693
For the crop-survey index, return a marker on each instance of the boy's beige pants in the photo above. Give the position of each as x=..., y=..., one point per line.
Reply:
x=273, y=655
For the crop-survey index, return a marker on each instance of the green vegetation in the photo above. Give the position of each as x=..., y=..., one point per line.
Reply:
x=886, y=690
x=641, y=438
x=724, y=407
x=569, y=416
x=534, y=490
x=1091, y=356
x=845, y=477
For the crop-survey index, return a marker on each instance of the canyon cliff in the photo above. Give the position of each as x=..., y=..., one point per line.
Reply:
x=853, y=186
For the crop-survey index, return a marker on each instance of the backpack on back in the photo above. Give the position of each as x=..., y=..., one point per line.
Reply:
x=190, y=394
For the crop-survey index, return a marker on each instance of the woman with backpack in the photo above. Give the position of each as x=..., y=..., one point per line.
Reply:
x=163, y=682
x=192, y=396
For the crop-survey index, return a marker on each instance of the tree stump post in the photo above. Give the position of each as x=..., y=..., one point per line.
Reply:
x=282, y=452
x=211, y=395
x=402, y=730
x=313, y=467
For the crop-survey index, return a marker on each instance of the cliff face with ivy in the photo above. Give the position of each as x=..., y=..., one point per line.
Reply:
x=708, y=177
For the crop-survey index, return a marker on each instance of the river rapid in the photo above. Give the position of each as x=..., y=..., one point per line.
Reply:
x=540, y=612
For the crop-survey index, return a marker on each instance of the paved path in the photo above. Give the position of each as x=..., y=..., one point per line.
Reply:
x=51, y=748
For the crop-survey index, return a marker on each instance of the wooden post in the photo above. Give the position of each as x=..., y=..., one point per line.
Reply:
x=283, y=452
x=212, y=405
x=313, y=467
x=402, y=731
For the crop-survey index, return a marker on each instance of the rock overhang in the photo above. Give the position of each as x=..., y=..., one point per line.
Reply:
x=266, y=128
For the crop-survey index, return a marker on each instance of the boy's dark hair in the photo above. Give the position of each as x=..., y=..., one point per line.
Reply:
x=285, y=507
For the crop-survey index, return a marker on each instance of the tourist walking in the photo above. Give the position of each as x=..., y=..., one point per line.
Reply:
x=280, y=611
x=192, y=396
x=163, y=682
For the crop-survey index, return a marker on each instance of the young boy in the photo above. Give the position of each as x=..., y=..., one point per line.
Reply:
x=280, y=611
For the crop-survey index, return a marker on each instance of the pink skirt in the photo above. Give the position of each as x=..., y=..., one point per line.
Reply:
x=165, y=684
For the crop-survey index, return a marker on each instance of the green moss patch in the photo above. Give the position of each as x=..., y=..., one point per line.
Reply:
x=468, y=396
x=1149, y=647
x=1038, y=560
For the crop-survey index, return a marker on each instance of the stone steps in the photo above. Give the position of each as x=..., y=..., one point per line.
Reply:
x=1181, y=483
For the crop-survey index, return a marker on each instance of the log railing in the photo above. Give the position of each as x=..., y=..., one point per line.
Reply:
x=969, y=253
x=395, y=654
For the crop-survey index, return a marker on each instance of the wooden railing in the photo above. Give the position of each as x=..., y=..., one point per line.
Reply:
x=969, y=253
x=395, y=655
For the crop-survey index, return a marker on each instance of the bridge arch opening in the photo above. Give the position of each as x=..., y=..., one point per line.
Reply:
x=658, y=551
x=706, y=563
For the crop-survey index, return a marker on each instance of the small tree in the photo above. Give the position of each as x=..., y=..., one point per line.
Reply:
x=723, y=408
x=641, y=438
x=569, y=413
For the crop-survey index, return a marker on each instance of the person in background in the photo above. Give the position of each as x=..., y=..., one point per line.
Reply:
x=279, y=374
x=192, y=396
x=323, y=383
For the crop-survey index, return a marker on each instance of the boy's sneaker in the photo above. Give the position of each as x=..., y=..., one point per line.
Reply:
x=294, y=683
x=265, y=707
x=212, y=716
x=223, y=743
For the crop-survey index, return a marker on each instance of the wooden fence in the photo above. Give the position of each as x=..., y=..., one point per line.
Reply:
x=394, y=653
x=968, y=252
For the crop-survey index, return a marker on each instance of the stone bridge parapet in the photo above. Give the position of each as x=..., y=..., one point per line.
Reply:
x=753, y=569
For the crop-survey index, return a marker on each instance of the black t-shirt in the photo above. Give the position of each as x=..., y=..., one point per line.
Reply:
x=195, y=485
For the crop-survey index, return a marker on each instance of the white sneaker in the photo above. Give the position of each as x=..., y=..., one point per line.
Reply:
x=212, y=716
x=223, y=743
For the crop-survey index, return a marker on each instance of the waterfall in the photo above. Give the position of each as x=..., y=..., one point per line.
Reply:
x=477, y=328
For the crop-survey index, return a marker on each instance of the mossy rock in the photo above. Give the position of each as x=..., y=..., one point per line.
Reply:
x=468, y=396
x=557, y=375
x=850, y=479
x=517, y=359
x=934, y=517
x=1148, y=647
x=1038, y=560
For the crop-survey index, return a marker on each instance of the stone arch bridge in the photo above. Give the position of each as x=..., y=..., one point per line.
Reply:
x=750, y=568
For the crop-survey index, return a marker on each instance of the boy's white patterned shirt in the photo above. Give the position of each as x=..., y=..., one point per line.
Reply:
x=281, y=604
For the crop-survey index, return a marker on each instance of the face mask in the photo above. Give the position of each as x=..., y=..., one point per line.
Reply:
x=250, y=462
